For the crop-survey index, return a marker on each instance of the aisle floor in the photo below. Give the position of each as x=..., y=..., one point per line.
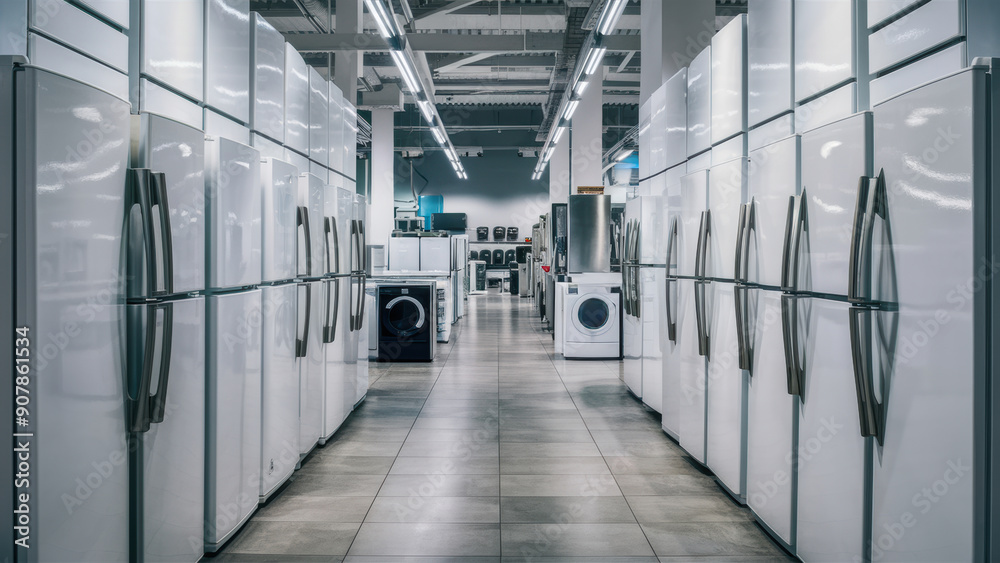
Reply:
x=500, y=451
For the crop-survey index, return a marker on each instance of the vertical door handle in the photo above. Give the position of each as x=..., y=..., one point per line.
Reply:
x=302, y=344
x=140, y=266
x=790, y=338
x=741, y=236
x=328, y=230
x=354, y=305
x=701, y=315
x=362, y=243
x=158, y=401
x=671, y=244
x=743, y=337
x=795, y=227
x=700, y=244
x=158, y=199
x=870, y=410
x=361, y=302
x=791, y=220
x=333, y=295
x=302, y=221
x=139, y=399
x=872, y=199
x=701, y=266
x=671, y=315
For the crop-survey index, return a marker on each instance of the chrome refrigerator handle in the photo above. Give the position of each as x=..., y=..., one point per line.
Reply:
x=790, y=338
x=158, y=199
x=795, y=226
x=671, y=245
x=333, y=295
x=302, y=220
x=870, y=411
x=302, y=344
x=701, y=316
x=158, y=402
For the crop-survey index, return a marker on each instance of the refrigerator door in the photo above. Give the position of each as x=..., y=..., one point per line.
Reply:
x=929, y=427
x=336, y=131
x=173, y=480
x=312, y=373
x=296, y=102
x=367, y=303
x=691, y=391
x=652, y=245
x=233, y=208
x=178, y=151
x=727, y=183
x=769, y=55
x=773, y=180
x=404, y=254
x=268, y=77
x=279, y=387
x=435, y=254
x=233, y=423
x=312, y=249
x=172, y=44
x=319, y=118
x=279, y=194
x=333, y=355
x=834, y=157
x=670, y=404
x=351, y=344
x=771, y=413
x=694, y=202
x=653, y=286
x=729, y=75
x=699, y=103
x=831, y=452
x=824, y=45
x=227, y=57
x=675, y=119
x=645, y=134
x=726, y=397
x=929, y=26
x=333, y=245
x=657, y=131
x=345, y=214
x=67, y=291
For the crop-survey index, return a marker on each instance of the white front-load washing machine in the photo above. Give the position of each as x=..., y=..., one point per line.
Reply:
x=591, y=321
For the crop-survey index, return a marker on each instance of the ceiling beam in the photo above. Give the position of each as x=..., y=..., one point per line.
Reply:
x=449, y=42
x=446, y=9
x=455, y=65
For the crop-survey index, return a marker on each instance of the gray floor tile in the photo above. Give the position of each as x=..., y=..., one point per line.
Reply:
x=293, y=538
x=427, y=539
x=332, y=464
x=546, y=435
x=558, y=485
x=667, y=485
x=441, y=485
x=391, y=559
x=736, y=538
x=334, y=485
x=591, y=540
x=458, y=510
x=477, y=465
x=315, y=508
x=578, y=510
x=523, y=449
x=652, y=509
x=461, y=449
x=538, y=465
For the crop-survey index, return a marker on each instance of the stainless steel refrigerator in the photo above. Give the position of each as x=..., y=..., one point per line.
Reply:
x=284, y=325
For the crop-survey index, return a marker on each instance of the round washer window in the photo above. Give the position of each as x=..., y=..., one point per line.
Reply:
x=593, y=313
x=403, y=317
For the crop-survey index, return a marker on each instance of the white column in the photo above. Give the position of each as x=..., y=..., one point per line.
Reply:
x=559, y=173
x=673, y=32
x=348, y=64
x=586, y=132
x=381, y=203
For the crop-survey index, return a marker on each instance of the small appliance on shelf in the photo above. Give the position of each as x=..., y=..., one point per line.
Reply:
x=511, y=234
x=499, y=233
x=482, y=234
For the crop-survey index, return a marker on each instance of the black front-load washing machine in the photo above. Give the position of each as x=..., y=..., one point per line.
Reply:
x=407, y=318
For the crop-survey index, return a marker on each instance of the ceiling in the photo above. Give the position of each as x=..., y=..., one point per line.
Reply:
x=493, y=53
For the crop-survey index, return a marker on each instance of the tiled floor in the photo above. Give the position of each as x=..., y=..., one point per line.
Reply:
x=499, y=451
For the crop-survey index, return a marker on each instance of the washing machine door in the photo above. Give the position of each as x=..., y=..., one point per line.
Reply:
x=594, y=314
x=403, y=316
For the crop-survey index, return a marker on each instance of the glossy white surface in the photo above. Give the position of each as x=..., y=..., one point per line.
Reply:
x=218, y=125
x=914, y=74
x=769, y=59
x=824, y=49
x=670, y=403
x=728, y=150
x=320, y=171
x=774, y=177
x=694, y=200
x=834, y=158
x=652, y=243
x=404, y=254
x=160, y=101
x=652, y=286
x=770, y=420
x=930, y=204
x=267, y=74
x=333, y=356
x=699, y=106
x=172, y=38
x=312, y=372
x=233, y=210
x=115, y=10
x=268, y=148
x=52, y=56
x=645, y=138
x=829, y=108
x=319, y=118
x=301, y=162
x=881, y=10
x=926, y=27
x=725, y=391
x=350, y=140
x=296, y=101
x=178, y=151
x=771, y=131
x=675, y=119
x=279, y=387
x=435, y=254
x=75, y=246
x=233, y=413
x=693, y=382
x=336, y=128
x=658, y=130
x=227, y=57
x=174, y=450
x=726, y=185
x=71, y=25
x=830, y=507
x=729, y=71
x=279, y=196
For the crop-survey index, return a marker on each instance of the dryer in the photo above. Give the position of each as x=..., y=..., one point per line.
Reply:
x=407, y=322
x=591, y=315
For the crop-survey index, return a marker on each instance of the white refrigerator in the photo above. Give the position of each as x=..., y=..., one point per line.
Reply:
x=336, y=280
x=61, y=277
x=234, y=337
x=167, y=315
x=358, y=297
x=282, y=326
x=643, y=271
x=311, y=256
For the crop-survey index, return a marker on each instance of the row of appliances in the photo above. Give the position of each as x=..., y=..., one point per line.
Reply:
x=204, y=296
x=806, y=285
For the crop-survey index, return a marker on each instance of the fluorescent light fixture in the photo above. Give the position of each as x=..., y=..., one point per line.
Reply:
x=426, y=110
x=625, y=154
x=580, y=87
x=406, y=71
x=594, y=60
x=437, y=135
x=609, y=18
x=548, y=154
x=558, y=135
x=570, y=109
x=383, y=19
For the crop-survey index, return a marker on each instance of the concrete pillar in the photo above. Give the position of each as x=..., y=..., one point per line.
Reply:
x=350, y=18
x=559, y=175
x=587, y=135
x=382, y=181
x=673, y=32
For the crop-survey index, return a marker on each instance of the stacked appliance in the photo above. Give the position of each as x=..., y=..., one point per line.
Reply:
x=311, y=272
x=358, y=342
x=404, y=254
x=283, y=325
x=459, y=273
x=233, y=336
x=336, y=267
x=407, y=320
